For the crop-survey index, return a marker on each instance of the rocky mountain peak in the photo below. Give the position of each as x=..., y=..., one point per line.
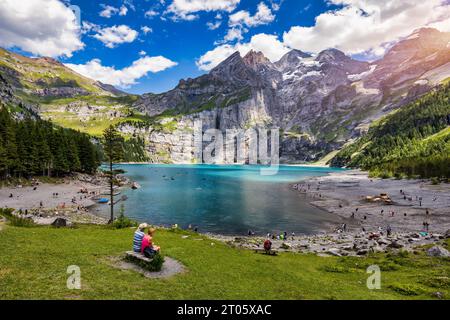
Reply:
x=331, y=55
x=426, y=32
x=234, y=59
x=296, y=54
x=291, y=59
x=425, y=49
x=420, y=42
x=255, y=58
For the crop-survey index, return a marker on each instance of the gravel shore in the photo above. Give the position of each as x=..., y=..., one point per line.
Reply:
x=44, y=202
x=411, y=204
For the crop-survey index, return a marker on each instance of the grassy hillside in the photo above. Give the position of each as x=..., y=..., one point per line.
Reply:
x=81, y=104
x=31, y=74
x=34, y=261
x=413, y=141
x=47, y=89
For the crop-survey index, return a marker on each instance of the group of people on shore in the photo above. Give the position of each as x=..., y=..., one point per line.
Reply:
x=307, y=188
x=143, y=243
x=274, y=236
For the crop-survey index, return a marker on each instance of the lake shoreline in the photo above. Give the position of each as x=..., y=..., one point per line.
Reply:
x=366, y=223
x=357, y=199
x=338, y=193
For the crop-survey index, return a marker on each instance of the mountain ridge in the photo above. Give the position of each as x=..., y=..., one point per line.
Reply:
x=319, y=102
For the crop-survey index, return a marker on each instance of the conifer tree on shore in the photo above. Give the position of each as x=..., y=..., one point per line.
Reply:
x=113, y=152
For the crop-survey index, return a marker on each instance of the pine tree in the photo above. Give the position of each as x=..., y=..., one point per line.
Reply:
x=113, y=151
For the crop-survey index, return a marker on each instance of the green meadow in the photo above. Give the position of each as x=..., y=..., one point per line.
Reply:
x=34, y=261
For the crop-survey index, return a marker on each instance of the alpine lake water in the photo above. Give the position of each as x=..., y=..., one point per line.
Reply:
x=223, y=199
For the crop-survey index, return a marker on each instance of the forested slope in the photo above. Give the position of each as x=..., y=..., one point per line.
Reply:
x=31, y=147
x=414, y=141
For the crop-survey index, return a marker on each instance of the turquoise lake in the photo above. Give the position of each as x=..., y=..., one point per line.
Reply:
x=227, y=200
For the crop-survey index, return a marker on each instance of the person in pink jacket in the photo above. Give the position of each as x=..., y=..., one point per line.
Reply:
x=148, y=248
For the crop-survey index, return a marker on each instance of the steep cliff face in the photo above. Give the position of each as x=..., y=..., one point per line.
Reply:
x=319, y=102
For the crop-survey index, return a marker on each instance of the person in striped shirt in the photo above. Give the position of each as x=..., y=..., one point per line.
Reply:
x=138, y=237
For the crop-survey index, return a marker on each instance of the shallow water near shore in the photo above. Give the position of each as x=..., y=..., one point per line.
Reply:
x=226, y=199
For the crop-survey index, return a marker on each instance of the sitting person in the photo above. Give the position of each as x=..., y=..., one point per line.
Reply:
x=138, y=237
x=267, y=245
x=148, y=249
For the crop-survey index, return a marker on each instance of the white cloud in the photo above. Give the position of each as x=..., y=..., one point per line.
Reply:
x=125, y=77
x=42, y=27
x=123, y=11
x=233, y=34
x=276, y=4
x=187, y=9
x=272, y=48
x=88, y=27
x=142, y=53
x=146, y=29
x=151, y=13
x=364, y=25
x=214, y=25
x=115, y=35
x=108, y=11
x=262, y=16
x=240, y=21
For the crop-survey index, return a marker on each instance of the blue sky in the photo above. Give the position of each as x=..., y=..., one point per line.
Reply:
x=180, y=41
x=149, y=45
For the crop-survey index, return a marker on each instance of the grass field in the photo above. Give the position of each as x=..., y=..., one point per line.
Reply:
x=34, y=261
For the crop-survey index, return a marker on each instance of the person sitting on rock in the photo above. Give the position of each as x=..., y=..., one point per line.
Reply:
x=138, y=237
x=148, y=249
x=267, y=245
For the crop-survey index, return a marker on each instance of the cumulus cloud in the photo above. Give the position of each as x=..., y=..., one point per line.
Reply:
x=270, y=45
x=187, y=9
x=365, y=25
x=262, y=16
x=108, y=11
x=214, y=25
x=123, y=11
x=241, y=21
x=276, y=4
x=146, y=29
x=233, y=34
x=116, y=35
x=42, y=27
x=125, y=77
x=151, y=13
